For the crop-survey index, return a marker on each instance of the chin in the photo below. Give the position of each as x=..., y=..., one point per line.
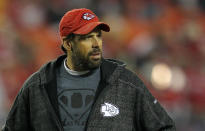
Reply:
x=93, y=64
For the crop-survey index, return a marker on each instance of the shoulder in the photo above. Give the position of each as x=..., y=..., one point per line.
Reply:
x=119, y=72
x=32, y=79
x=41, y=76
x=35, y=78
x=31, y=83
x=131, y=79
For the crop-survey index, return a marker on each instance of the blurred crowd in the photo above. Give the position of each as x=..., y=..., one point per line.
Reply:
x=163, y=41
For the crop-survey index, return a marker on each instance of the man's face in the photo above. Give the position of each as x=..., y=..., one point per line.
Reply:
x=87, y=51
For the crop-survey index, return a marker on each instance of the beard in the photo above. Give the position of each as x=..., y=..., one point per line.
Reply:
x=82, y=62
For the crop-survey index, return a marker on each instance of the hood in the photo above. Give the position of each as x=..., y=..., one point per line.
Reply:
x=108, y=67
x=118, y=62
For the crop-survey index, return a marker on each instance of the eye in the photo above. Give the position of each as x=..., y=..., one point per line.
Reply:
x=89, y=37
x=99, y=35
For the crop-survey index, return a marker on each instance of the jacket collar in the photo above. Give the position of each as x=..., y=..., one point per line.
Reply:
x=48, y=81
x=108, y=67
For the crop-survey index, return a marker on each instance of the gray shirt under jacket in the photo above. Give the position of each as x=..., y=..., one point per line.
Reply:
x=75, y=94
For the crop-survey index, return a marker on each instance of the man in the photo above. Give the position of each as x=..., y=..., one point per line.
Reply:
x=82, y=91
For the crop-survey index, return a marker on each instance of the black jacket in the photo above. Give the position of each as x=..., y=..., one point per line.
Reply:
x=36, y=105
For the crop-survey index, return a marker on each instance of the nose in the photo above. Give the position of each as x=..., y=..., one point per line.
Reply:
x=95, y=42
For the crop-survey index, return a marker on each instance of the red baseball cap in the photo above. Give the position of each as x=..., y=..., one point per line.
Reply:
x=80, y=21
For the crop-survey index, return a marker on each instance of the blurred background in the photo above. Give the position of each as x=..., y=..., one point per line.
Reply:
x=163, y=41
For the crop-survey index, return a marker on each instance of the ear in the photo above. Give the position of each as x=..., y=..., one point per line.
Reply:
x=67, y=45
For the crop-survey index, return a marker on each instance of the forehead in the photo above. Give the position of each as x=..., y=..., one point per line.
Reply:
x=92, y=33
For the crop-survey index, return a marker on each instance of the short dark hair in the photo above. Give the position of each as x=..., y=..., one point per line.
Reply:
x=67, y=38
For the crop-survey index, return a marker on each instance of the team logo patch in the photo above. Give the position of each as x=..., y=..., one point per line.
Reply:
x=109, y=110
x=88, y=16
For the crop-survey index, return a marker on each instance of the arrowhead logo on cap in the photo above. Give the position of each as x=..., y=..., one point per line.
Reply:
x=88, y=16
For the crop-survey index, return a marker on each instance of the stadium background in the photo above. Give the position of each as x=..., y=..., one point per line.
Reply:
x=163, y=41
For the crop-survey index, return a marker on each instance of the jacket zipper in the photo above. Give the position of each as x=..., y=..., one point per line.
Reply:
x=98, y=98
x=52, y=110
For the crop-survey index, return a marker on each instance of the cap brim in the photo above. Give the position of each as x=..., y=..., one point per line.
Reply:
x=89, y=27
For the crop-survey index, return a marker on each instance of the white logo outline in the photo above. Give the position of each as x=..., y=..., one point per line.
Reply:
x=88, y=16
x=109, y=110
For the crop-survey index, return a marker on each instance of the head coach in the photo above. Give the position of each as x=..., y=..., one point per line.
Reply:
x=82, y=91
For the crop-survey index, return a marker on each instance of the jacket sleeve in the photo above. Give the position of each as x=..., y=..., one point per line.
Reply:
x=18, y=118
x=153, y=117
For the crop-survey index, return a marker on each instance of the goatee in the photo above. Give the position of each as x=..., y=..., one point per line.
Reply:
x=82, y=63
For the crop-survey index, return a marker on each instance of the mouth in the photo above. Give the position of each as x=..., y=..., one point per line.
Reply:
x=96, y=55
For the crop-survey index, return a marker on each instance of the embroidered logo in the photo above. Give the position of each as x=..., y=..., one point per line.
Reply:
x=88, y=16
x=109, y=110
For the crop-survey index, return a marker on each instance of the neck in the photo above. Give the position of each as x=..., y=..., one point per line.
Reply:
x=72, y=66
x=69, y=63
x=73, y=72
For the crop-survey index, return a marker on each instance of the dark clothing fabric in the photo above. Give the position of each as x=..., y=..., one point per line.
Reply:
x=36, y=106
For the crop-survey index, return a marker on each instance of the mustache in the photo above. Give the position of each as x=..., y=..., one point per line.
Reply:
x=95, y=50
